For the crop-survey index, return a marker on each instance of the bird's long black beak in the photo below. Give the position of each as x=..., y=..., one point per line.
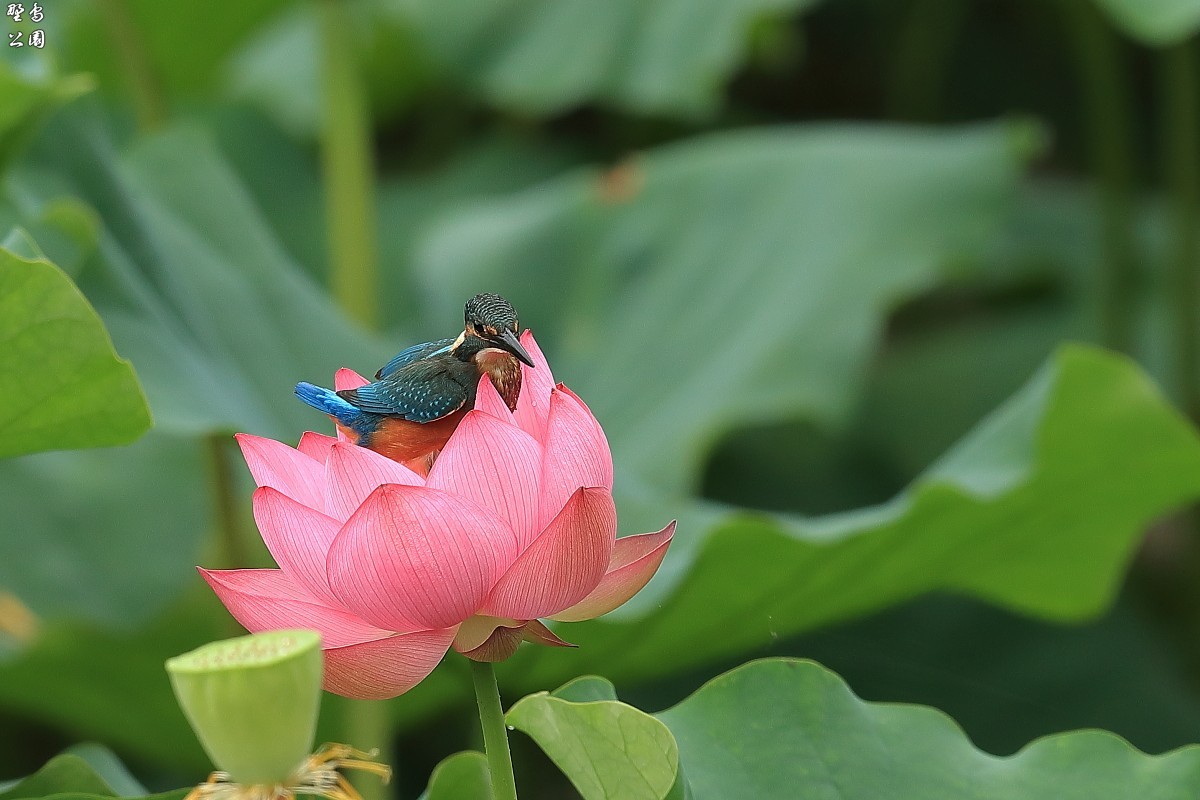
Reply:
x=513, y=345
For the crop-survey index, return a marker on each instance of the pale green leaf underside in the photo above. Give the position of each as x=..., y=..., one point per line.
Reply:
x=609, y=750
x=462, y=776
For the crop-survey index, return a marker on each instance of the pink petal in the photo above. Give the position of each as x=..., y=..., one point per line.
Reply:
x=476, y=630
x=266, y=599
x=496, y=466
x=345, y=379
x=276, y=465
x=298, y=538
x=316, y=445
x=534, y=631
x=501, y=644
x=562, y=565
x=385, y=667
x=576, y=454
x=353, y=472
x=533, y=404
x=413, y=557
x=488, y=400
x=634, y=561
x=597, y=431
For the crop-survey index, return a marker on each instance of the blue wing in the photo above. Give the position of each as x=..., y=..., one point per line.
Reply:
x=414, y=353
x=420, y=391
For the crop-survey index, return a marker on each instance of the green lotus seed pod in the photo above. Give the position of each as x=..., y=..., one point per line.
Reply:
x=253, y=701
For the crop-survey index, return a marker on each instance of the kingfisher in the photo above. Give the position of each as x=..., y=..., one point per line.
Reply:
x=419, y=397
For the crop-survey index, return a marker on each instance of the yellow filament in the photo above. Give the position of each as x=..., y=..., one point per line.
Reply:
x=319, y=774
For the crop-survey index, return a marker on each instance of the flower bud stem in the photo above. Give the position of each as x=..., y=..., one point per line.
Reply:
x=495, y=735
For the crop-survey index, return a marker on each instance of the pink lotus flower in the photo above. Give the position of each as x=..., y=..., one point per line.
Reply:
x=514, y=523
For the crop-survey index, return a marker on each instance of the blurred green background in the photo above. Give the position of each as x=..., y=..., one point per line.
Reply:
x=812, y=264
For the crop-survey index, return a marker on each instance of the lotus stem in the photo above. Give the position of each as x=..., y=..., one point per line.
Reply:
x=347, y=164
x=1181, y=138
x=924, y=49
x=144, y=84
x=495, y=734
x=1107, y=111
x=230, y=541
x=367, y=725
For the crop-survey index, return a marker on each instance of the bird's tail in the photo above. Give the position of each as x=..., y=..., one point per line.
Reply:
x=327, y=401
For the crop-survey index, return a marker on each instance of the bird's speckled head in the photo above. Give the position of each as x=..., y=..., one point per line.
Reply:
x=490, y=321
x=490, y=315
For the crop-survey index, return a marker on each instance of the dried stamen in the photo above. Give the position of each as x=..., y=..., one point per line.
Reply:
x=319, y=774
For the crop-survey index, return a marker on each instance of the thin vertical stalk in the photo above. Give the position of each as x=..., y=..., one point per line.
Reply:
x=348, y=167
x=230, y=541
x=367, y=726
x=148, y=100
x=1108, y=125
x=495, y=735
x=349, y=180
x=924, y=47
x=230, y=537
x=1181, y=167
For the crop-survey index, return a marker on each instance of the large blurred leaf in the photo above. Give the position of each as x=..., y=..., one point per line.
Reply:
x=220, y=325
x=61, y=384
x=1076, y=463
x=745, y=278
x=185, y=45
x=1155, y=22
x=943, y=362
x=786, y=729
x=664, y=57
x=411, y=206
x=195, y=289
x=546, y=56
x=738, y=277
x=283, y=179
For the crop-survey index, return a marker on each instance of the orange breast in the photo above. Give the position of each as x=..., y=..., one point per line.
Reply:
x=412, y=443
